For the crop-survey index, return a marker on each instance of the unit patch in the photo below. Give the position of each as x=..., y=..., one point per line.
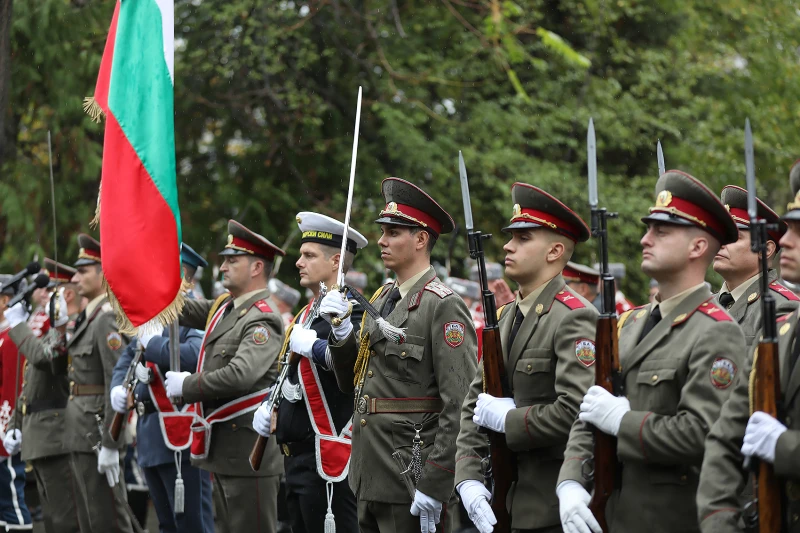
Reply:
x=585, y=352
x=454, y=334
x=261, y=335
x=723, y=371
x=114, y=340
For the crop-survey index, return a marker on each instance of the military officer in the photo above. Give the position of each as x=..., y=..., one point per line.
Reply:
x=162, y=447
x=585, y=281
x=679, y=358
x=409, y=394
x=313, y=408
x=739, y=434
x=547, y=334
x=43, y=401
x=286, y=298
x=740, y=269
x=236, y=365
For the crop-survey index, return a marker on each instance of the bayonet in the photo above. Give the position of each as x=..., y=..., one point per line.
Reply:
x=462, y=173
x=591, y=164
x=662, y=166
x=750, y=173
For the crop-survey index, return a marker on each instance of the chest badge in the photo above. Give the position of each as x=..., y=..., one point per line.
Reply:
x=261, y=335
x=722, y=372
x=114, y=340
x=454, y=334
x=585, y=352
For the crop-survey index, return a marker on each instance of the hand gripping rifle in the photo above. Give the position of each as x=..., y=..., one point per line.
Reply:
x=607, y=368
x=129, y=383
x=769, y=497
x=275, y=396
x=500, y=470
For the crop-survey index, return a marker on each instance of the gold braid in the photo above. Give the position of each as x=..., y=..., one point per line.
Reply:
x=362, y=361
x=221, y=299
x=751, y=384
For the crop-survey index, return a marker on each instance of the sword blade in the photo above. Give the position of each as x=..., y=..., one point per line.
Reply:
x=750, y=171
x=340, y=274
x=462, y=173
x=591, y=163
x=53, y=201
x=662, y=166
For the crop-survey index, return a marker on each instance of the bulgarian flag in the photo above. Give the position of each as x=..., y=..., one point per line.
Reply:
x=140, y=224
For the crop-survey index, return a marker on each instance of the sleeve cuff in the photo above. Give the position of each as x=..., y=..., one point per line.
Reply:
x=786, y=462
x=572, y=470
x=518, y=436
x=468, y=467
x=630, y=441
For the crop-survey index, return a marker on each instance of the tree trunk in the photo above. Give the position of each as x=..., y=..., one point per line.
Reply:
x=6, y=140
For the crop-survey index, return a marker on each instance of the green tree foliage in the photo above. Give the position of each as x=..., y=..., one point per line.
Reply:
x=265, y=103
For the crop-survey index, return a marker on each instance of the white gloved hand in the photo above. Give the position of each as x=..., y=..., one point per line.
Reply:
x=143, y=374
x=336, y=304
x=119, y=399
x=262, y=420
x=301, y=341
x=61, y=306
x=490, y=412
x=16, y=315
x=108, y=464
x=573, y=507
x=13, y=441
x=475, y=498
x=604, y=410
x=428, y=510
x=174, y=383
x=761, y=436
x=145, y=339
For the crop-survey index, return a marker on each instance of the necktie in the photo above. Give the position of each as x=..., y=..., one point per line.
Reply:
x=81, y=318
x=388, y=307
x=795, y=351
x=726, y=300
x=652, y=321
x=518, y=318
x=227, y=311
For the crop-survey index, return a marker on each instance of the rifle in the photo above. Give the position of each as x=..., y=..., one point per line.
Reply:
x=607, y=368
x=129, y=383
x=768, y=491
x=275, y=396
x=500, y=470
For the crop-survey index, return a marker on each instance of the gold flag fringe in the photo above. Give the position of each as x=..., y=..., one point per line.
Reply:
x=160, y=321
x=93, y=109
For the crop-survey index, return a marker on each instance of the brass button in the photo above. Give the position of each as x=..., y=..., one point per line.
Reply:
x=233, y=426
x=654, y=378
x=795, y=517
x=529, y=367
x=363, y=422
x=223, y=352
x=372, y=352
x=70, y=396
x=71, y=383
x=71, y=368
x=683, y=477
x=402, y=354
x=370, y=374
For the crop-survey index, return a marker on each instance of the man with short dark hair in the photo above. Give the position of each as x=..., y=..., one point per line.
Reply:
x=585, y=281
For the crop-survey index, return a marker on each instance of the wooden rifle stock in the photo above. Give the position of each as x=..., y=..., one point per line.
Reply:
x=769, y=490
x=129, y=382
x=605, y=446
x=119, y=418
x=502, y=460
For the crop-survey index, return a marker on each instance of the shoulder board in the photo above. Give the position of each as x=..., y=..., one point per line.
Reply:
x=439, y=289
x=623, y=318
x=714, y=311
x=500, y=311
x=262, y=306
x=566, y=298
x=784, y=291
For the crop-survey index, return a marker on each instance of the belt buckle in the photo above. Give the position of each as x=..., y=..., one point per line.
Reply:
x=140, y=408
x=285, y=449
x=361, y=405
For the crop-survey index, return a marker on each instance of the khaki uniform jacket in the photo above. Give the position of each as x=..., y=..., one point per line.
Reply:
x=723, y=479
x=241, y=357
x=43, y=399
x=550, y=368
x=428, y=365
x=747, y=309
x=676, y=380
x=92, y=351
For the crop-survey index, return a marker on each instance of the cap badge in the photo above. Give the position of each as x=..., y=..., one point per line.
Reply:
x=517, y=211
x=391, y=207
x=299, y=220
x=728, y=207
x=663, y=199
x=539, y=309
x=230, y=239
x=752, y=297
x=796, y=203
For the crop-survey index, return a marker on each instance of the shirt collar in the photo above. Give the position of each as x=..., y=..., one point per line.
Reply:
x=91, y=306
x=669, y=305
x=410, y=282
x=240, y=300
x=739, y=291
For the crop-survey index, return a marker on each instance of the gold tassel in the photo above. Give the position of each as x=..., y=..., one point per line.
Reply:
x=362, y=360
x=92, y=108
x=95, y=222
x=751, y=384
x=164, y=318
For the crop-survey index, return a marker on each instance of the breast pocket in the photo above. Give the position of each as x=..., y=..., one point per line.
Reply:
x=658, y=389
x=403, y=362
x=533, y=377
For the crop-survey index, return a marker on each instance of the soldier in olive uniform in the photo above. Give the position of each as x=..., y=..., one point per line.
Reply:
x=738, y=434
x=409, y=395
x=43, y=401
x=93, y=351
x=236, y=365
x=547, y=335
x=679, y=358
x=585, y=281
x=739, y=267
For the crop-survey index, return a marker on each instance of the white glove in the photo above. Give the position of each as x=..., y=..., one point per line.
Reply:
x=428, y=510
x=336, y=304
x=301, y=341
x=119, y=399
x=604, y=410
x=13, y=441
x=475, y=498
x=145, y=339
x=573, y=507
x=490, y=412
x=761, y=436
x=175, y=383
x=143, y=374
x=262, y=420
x=108, y=464
x=61, y=306
x=16, y=315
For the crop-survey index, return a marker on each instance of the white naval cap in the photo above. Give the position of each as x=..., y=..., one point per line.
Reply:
x=328, y=231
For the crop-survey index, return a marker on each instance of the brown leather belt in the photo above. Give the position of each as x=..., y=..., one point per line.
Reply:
x=78, y=389
x=374, y=406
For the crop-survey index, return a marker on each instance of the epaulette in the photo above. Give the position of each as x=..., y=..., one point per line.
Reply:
x=784, y=291
x=714, y=311
x=262, y=306
x=625, y=316
x=569, y=300
x=439, y=289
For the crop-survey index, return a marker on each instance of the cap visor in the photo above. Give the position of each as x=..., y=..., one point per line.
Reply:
x=742, y=226
x=84, y=262
x=667, y=219
x=793, y=215
x=232, y=251
x=397, y=222
x=521, y=225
